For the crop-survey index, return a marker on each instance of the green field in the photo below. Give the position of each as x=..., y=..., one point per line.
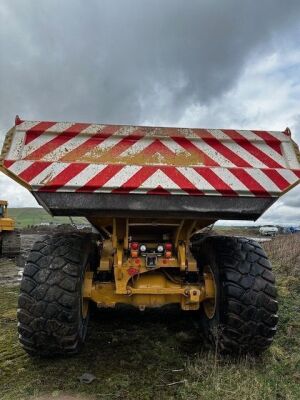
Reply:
x=28, y=216
x=160, y=354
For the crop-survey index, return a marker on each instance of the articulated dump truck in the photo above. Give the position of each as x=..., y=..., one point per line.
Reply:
x=149, y=192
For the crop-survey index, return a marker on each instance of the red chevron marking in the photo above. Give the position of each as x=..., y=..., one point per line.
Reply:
x=37, y=131
x=101, y=178
x=57, y=141
x=248, y=146
x=213, y=179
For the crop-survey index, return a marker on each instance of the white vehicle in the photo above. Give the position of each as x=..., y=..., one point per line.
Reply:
x=268, y=230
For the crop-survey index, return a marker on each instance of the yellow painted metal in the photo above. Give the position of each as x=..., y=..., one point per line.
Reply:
x=181, y=251
x=184, y=231
x=209, y=305
x=6, y=223
x=119, y=241
x=196, y=295
x=106, y=224
x=86, y=292
x=106, y=261
x=137, y=284
x=120, y=232
x=181, y=242
x=148, y=290
x=191, y=263
x=87, y=285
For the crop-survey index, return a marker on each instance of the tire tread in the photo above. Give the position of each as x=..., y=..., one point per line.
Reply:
x=48, y=305
x=249, y=310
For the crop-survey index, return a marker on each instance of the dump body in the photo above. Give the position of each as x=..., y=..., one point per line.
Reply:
x=133, y=171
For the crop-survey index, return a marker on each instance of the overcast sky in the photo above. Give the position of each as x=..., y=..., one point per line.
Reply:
x=188, y=63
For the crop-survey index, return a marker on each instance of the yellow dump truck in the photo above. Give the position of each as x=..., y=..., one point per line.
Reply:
x=148, y=191
x=9, y=237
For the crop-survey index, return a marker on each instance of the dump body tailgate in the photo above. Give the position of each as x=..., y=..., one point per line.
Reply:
x=150, y=165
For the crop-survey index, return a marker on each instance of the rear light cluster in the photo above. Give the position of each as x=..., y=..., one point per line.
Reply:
x=134, y=249
x=168, y=250
x=161, y=249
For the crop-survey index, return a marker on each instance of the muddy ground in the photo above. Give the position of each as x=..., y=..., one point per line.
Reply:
x=11, y=269
x=10, y=274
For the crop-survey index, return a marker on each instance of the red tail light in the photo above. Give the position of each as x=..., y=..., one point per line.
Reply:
x=134, y=249
x=134, y=246
x=168, y=250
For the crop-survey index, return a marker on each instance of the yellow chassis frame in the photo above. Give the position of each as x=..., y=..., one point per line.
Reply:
x=136, y=284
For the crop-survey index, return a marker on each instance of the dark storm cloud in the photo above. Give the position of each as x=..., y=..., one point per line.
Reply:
x=128, y=61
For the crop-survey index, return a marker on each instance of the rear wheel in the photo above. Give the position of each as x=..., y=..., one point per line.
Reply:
x=10, y=244
x=52, y=316
x=242, y=317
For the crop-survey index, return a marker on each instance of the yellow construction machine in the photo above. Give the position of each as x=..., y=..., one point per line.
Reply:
x=9, y=237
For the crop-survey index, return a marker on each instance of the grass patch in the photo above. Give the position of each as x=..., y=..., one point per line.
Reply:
x=160, y=354
x=28, y=216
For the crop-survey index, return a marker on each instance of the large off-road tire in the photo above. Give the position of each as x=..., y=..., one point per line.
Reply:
x=243, y=316
x=10, y=243
x=51, y=319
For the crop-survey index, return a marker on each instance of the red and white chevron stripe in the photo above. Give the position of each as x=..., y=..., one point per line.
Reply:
x=78, y=157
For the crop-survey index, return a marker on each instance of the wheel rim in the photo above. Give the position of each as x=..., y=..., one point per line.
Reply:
x=209, y=305
x=84, y=302
x=85, y=308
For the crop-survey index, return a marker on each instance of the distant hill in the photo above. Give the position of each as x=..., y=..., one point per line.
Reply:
x=34, y=216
